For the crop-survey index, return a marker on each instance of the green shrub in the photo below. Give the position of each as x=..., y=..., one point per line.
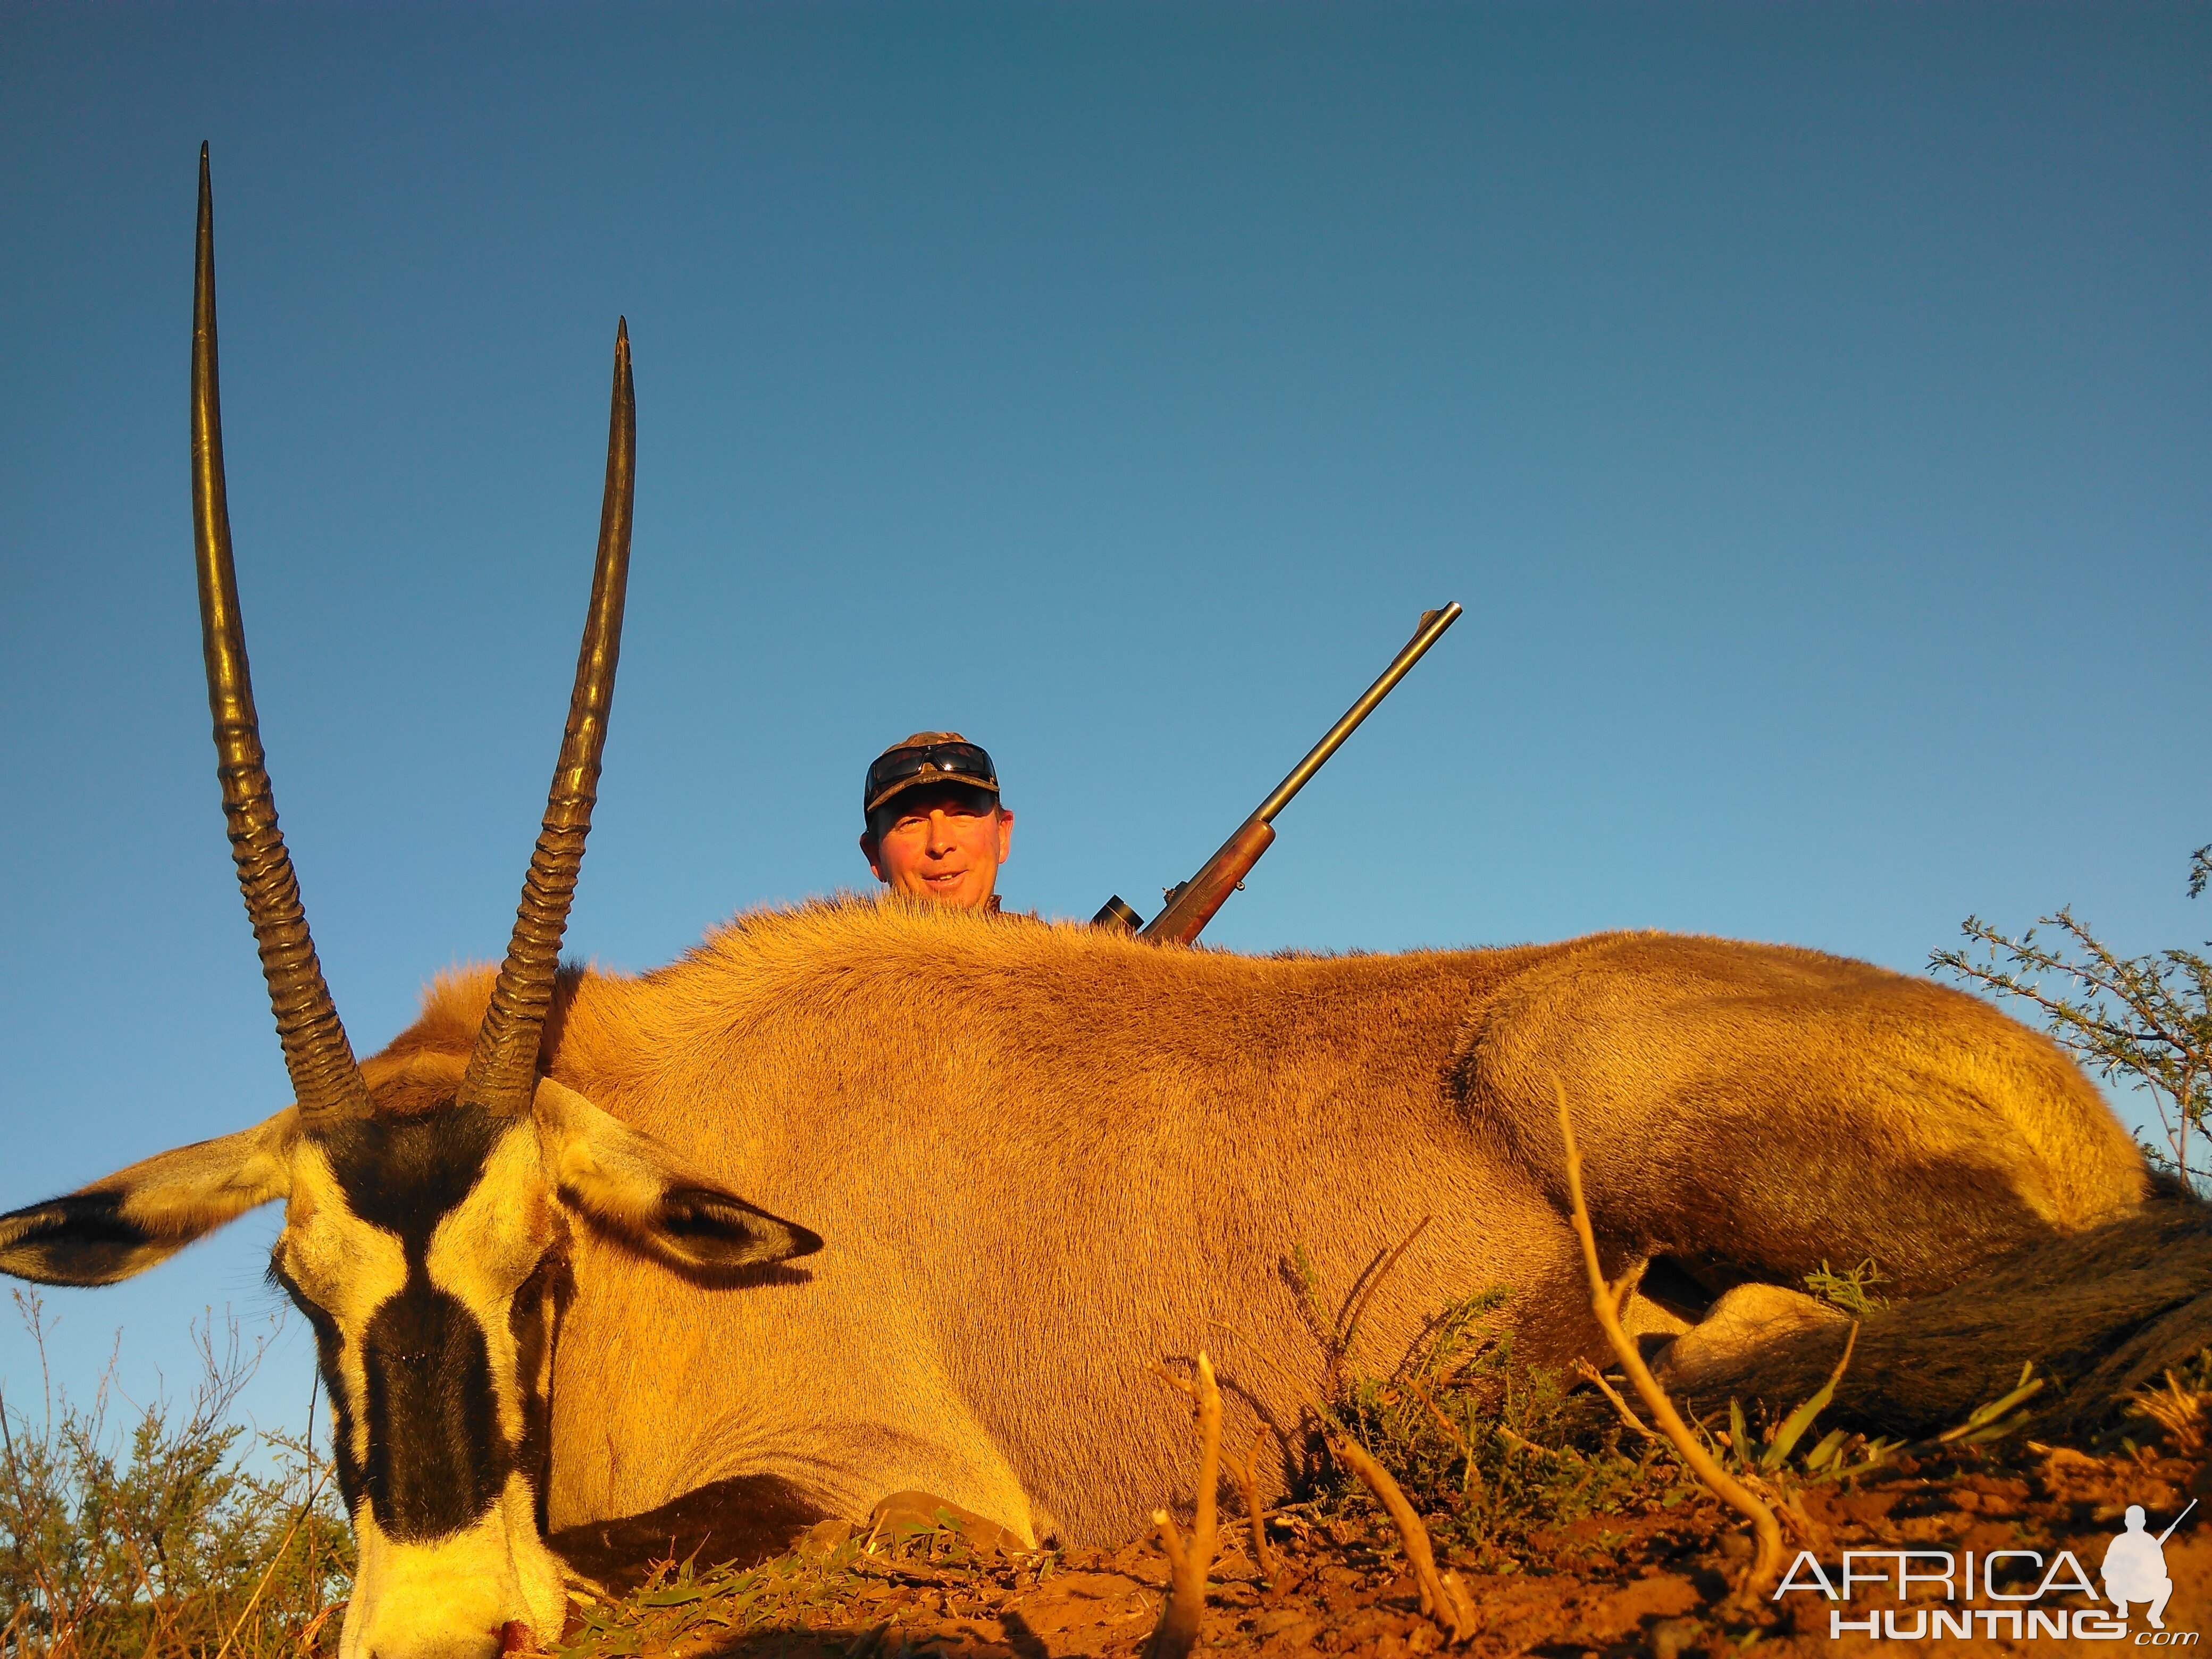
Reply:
x=184, y=1534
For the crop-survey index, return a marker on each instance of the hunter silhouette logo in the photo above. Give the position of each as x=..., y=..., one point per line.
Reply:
x=2022, y=1592
x=2135, y=1567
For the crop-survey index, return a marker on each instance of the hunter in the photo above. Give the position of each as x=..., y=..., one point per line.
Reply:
x=936, y=828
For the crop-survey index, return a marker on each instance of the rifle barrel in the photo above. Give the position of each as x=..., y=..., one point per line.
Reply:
x=1434, y=623
x=1192, y=905
x=2177, y=1520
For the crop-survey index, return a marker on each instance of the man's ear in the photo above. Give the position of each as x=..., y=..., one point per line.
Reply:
x=872, y=850
x=643, y=1192
x=123, y=1224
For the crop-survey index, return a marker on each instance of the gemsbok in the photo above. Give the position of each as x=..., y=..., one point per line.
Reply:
x=1038, y=1158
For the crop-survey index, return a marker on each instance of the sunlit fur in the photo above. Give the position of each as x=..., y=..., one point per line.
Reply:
x=1044, y=1156
x=1042, y=1159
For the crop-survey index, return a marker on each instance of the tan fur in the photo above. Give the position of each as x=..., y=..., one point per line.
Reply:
x=609, y=1173
x=179, y=1195
x=2100, y=1314
x=1006, y=1132
x=1041, y=1158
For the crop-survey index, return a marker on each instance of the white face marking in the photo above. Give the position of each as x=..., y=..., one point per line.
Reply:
x=487, y=1245
x=344, y=1265
x=451, y=1598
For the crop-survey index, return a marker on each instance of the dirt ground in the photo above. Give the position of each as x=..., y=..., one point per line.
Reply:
x=1656, y=1581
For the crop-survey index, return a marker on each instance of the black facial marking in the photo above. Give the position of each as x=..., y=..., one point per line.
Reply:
x=436, y=1460
x=703, y=1216
x=404, y=1174
x=84, y=1238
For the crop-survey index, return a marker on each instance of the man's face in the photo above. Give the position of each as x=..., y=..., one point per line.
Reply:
x=944, y=844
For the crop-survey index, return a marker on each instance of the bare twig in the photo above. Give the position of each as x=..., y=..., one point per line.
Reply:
x=1182, y=1385
x=1521, y=1443
x=157, y=1600
x=1814, y=1533
x=314, y=1627
x=1766, y=1565
x=253, y=1600
x=1437, y=1412
x=1590, y=1373
x=1443, y=1598
x=1189, y=1561
x=1247, y=1487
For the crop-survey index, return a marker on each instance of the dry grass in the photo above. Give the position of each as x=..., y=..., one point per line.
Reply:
x=2181, y=1407
x=1247, y=1476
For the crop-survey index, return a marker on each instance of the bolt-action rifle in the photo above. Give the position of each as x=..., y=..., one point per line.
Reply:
x=1192, y=904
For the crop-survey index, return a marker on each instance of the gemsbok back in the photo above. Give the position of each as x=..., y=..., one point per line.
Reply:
x=1041, y=1157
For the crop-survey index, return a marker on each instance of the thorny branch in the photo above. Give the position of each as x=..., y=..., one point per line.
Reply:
x=2146, y=1020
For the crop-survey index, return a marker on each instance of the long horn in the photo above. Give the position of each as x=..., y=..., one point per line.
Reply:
x=502, y=1072
x=324, y=1075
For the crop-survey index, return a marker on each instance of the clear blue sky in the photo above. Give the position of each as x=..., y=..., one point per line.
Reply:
x=1810, y=404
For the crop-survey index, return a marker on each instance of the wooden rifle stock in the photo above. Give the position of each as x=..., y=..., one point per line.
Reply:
x=1192, y=905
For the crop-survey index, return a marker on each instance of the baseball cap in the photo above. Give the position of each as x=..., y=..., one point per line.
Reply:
x=927, y=757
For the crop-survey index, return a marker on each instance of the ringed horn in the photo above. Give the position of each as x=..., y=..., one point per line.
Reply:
x=324, y=1079
x=502, y=1073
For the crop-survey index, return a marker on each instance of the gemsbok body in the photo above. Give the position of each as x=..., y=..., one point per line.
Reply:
x=538, y=1240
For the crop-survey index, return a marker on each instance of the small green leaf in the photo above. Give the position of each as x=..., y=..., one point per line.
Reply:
x=1977, y=1427
x=1825, y=1453
x=1794, y=1426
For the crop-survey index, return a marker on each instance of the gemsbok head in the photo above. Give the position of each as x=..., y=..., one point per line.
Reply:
x=426, y=1217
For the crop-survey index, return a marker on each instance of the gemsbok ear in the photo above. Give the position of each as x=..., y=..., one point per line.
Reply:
x=123, y=1224
x=643, y=1192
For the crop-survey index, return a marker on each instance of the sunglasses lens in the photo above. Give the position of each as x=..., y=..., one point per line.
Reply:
x=964, y=759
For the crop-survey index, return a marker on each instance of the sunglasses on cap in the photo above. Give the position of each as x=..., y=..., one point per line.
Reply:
x=928, y=763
